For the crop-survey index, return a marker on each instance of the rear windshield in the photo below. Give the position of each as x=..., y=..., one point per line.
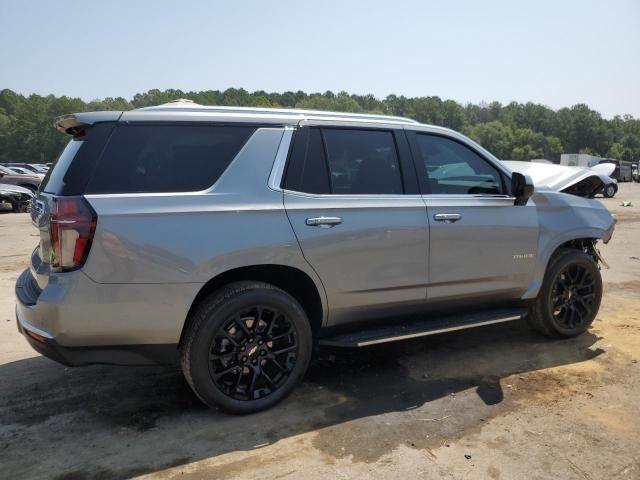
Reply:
x=166, y=158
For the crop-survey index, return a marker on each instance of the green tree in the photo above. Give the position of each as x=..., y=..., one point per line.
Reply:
x=494, y=136
x=517, y=130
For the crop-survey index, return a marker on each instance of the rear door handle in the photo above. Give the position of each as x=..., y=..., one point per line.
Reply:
x=447, y=217
x=323, y=222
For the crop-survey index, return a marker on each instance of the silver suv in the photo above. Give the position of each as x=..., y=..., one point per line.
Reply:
x=235, y=240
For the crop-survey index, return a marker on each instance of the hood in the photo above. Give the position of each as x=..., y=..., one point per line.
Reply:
x=606, y=168
x=584, y=182
x=21, y=178
x=5, y=188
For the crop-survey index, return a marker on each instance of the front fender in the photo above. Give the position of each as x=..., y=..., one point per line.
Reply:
x=563, y=218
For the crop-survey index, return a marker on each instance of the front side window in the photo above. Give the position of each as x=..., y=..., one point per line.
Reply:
x=453, y=168
x=166, y=158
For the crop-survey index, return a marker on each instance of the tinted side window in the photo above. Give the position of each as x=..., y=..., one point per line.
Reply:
x=166, y=158
x=307, y=166
x=362, y=161
x=452, y=168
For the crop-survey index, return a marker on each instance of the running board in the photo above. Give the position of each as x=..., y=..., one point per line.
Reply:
x=421, y=328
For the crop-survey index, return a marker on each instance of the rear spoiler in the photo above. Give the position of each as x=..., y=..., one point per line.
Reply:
x=75, y=123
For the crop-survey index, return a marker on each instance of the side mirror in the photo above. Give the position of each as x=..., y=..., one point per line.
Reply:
x=521, y=188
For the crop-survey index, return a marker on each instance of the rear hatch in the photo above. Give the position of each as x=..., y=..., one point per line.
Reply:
x=60, y=212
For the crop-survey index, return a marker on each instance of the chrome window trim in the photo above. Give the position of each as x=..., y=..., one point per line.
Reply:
x=277, y=170
x=357, y=196
x=462, y=196
x=461, y=200
x=148, y=194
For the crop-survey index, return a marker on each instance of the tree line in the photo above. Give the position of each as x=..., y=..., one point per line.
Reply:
x=518, y=131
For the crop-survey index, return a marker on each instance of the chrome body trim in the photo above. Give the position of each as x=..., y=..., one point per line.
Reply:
x=27, y=326
x=510, y=318
x=277, y=171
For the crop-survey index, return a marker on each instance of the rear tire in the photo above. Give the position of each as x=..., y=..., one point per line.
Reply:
x=570, y=296
x=248, y=345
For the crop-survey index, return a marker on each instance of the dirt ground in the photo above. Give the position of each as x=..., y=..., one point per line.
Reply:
x=498, y=402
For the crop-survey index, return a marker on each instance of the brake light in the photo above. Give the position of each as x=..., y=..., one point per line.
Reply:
x=72, y=225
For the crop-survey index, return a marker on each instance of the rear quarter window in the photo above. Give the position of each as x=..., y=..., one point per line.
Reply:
x=70, y=172
x=166, y=158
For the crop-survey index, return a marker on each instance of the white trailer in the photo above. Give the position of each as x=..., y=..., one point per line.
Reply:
x=580, y=160
x=622, y=173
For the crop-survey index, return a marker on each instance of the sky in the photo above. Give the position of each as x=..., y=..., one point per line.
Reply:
x=555, y=52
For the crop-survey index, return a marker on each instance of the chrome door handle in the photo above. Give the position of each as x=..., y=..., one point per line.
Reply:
x=324, y=222
x=447, y=217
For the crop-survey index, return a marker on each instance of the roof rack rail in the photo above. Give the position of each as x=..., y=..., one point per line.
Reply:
x=184, y=105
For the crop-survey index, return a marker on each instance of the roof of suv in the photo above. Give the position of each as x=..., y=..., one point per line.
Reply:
x=284, y=114
x=186, y=110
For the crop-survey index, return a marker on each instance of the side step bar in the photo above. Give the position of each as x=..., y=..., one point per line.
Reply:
x=421, y=328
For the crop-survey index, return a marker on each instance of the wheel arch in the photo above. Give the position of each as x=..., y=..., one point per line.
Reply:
x=292, y=280
x=580, y=240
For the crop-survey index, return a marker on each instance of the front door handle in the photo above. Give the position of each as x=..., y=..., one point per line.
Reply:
x=323, y=222
x=447, y=217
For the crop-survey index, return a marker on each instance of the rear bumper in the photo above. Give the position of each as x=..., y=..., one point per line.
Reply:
x=43, y=343
x=44, y=317
x=40, y=341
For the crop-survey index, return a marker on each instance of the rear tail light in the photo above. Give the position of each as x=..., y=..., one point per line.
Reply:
x=72, y=225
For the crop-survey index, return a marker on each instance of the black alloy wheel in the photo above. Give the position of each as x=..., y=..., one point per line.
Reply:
x=253, y=353
x=573, y=297
x=246, y=346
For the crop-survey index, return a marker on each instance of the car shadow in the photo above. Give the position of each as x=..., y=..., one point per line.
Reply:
x=114, y=422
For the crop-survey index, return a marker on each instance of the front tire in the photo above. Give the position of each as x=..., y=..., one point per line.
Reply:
x=247, y=347
x=570, y=296
x=609, y=191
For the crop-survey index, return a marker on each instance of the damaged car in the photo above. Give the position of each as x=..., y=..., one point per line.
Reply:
x=14, y=198
x=234, y=241
x=29, y=181
x=581, y=181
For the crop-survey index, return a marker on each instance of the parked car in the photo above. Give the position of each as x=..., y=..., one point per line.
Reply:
x=24, y=171
x=30, y=181
x=20, y=171
x=584, y=181
x=14, y=198
x=622, y=170
x=234, y=240
x=26, y=166
x=610, y=187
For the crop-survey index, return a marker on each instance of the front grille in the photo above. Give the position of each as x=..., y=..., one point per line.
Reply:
x=27, y=289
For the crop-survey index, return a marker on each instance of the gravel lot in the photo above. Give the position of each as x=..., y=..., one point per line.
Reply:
x=497, y=402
